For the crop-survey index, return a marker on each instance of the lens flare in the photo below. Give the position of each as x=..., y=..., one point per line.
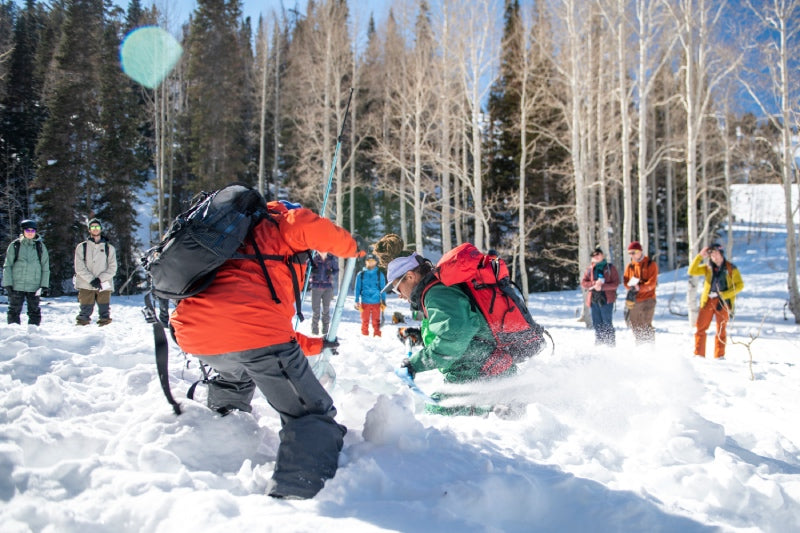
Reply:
x=147, y=55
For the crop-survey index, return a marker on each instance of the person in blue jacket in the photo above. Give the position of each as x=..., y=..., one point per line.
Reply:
x=369, y=298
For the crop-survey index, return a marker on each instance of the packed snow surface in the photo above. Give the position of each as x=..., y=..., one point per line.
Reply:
x=631, y=438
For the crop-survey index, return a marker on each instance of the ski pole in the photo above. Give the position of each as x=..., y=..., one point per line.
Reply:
x=327, y=193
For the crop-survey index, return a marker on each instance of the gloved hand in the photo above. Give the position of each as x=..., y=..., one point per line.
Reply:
x=357, y=306
x=630, y=298
x=332, y=345
x=407, y=365
x=41, y=291
x=361, y=254
x=383, y=306
x=713, y=294
x=96, y=283
x=398, y=318
x=412, y=335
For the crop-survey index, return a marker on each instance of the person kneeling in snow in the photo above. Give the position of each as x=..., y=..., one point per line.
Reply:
x=457, y=340
x=237, y=328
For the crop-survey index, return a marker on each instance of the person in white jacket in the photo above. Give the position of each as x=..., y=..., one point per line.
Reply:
x=95, y=268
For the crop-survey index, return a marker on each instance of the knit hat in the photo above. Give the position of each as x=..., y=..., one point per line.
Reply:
x=635, y=245
x=370, y=257
x=399, y=267
x=597, y=250
x=27, y=224
x=716, y=246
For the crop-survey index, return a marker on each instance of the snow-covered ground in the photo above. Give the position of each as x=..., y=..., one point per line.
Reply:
x=624, y=439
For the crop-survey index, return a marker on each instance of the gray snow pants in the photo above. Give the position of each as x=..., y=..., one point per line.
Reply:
x=321, y=305
x=311, y=440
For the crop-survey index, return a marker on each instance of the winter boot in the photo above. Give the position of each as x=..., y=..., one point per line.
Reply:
x=84, y=315
x=103, y=321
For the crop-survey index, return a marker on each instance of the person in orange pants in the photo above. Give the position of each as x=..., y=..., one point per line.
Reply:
x=368, y=296
x=722, y=283
x=714, y=308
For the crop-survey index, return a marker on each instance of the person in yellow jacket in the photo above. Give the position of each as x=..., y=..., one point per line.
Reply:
x=722, y=283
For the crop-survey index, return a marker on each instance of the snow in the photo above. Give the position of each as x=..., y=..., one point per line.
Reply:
x=624, y=439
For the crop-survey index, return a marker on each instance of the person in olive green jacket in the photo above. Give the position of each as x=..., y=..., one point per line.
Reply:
x=26, y=273
x=722, y=283
x=457, y=340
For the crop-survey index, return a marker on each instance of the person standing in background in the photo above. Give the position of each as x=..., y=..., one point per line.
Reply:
x=26, y=274
x=601, y=281
x=722, y=283
x=370, y=299
x=324, y=273
x=95, y=268
x=641, y=276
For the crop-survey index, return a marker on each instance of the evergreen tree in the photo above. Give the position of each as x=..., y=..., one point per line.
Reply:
x=121, y=161
x=21, y=116
x=217, y=96
x=503, y=140
x=66, y=183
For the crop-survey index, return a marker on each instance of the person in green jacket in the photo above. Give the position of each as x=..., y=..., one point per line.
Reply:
x=456, y=339
x=26, y=273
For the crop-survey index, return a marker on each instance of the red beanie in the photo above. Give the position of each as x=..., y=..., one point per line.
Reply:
x=635, y=245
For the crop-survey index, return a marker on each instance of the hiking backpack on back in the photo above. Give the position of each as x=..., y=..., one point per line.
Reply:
x=484, y=278
x=201, y=239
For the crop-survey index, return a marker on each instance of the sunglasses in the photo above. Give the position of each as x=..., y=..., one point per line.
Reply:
x=635, y=252
x=94, y=226
x=396, y=285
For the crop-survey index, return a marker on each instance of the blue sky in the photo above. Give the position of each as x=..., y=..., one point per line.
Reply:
x=181, y=9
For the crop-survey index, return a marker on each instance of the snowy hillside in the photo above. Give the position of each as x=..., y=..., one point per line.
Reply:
x=624, y=439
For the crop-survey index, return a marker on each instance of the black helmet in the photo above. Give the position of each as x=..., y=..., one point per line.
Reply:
x=27, y=224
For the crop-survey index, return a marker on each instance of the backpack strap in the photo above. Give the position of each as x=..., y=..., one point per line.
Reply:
x=86, y=244
x=17, y=244
x=424, y=292
x=261, y=260
x=162, y=351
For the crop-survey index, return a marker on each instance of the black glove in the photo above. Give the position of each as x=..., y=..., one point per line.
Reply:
x=407, y=364
x=45, y=291
x=412, y=335
x=333, y=345
x=96, y=283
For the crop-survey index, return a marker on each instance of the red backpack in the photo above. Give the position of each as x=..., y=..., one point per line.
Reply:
x=484, y=279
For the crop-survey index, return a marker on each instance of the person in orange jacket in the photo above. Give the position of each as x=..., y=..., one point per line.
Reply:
x=641, y=278
x=237, y=328
x=722, y=283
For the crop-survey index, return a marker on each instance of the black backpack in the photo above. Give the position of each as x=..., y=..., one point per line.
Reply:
x=202, y=238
